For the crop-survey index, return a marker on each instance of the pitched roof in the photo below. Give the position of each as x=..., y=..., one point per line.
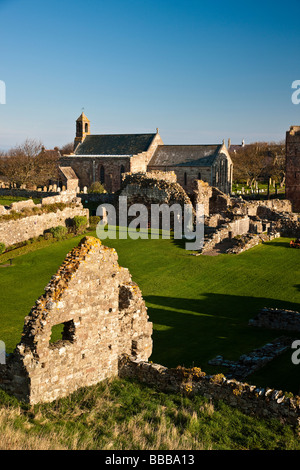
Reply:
x=115, y=144
x=185, y=155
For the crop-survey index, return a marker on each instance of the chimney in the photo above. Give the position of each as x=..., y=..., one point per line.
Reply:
x=229, y=143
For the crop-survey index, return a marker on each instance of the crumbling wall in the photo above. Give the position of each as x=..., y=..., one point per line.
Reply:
x=153, y=188
x=103, y=315
x=263, y=402
x=202, y=194
x=277, y=319
x=292, y=183
x=24, y=220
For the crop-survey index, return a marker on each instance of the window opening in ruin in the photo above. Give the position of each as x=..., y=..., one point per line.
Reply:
x=62, y=332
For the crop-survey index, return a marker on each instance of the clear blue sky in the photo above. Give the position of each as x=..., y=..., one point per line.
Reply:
x=201, y=71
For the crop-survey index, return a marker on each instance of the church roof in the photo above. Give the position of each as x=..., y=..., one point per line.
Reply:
x=115, y=144
x=82, y=117
x=185, y=155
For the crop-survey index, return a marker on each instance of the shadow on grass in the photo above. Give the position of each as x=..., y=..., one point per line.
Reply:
x=190, y=332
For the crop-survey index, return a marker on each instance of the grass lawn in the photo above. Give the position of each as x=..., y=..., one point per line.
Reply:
x=200, y=306
x=8, y=200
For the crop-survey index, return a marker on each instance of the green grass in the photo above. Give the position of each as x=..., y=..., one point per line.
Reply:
x=127, y=415
x=200, y=306
x=8, y=200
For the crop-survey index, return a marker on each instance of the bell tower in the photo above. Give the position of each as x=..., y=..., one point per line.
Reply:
x=82, y=129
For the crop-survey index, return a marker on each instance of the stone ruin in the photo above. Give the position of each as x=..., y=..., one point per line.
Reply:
x=232, y=224
x=23, y=220
x=102, y=315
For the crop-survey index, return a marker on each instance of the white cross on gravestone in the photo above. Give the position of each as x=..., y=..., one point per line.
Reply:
x=2, y=353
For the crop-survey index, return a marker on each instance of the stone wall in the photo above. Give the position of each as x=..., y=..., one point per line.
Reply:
x=292, y=183
x=229, y=230
x=277, y=319
x=152, y=188
x=103, y=316
x=88, y=169
x=36, y=218
x=202, y=194
x=264, y=403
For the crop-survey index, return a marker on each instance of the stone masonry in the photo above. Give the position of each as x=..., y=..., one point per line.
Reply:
x=103, y=316
x=293, y=167
x=31, y=220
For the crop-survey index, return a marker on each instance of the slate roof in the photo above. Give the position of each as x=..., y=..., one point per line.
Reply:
x=114, y=144
x=185, y=155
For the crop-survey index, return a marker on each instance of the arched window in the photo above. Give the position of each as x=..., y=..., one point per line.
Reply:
x=122, y=170
x=185, y=179
x=86, y=127
x=102, y=174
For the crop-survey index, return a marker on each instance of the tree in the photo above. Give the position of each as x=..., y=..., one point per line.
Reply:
x=259, y=160
x=29, y=163
x=67, y=149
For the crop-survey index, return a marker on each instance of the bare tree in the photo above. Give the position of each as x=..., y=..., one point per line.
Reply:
x=29, y=163
x=259, y=160
x=67, y=149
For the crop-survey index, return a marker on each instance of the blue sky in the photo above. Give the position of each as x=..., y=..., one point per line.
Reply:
x=200, y=71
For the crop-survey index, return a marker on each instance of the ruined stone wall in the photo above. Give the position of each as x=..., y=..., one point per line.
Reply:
x=228, y=230
x=36, y=218
x=265, y=403
x=202, y=194
x=103, y=316
x=292, y=183
x=277, y=319
x=153, y=188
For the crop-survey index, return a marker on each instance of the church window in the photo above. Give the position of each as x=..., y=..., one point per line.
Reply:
x=122, y=170
x=102, y=174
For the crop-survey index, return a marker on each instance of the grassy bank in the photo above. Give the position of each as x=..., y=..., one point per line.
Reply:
x=124, y=415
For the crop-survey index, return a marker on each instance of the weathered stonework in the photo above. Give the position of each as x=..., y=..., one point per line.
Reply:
x=15, y=231
x=263, y=402
x=103, y=316
x=277, y=319
x=292, y=183
x=153, y=188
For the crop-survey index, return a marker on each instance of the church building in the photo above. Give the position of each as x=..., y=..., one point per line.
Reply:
x=105, y=157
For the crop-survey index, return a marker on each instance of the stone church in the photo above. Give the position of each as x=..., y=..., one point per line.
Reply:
x=105, y=157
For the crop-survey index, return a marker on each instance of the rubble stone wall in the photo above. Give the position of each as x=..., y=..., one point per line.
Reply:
x=28, y=226
x=103, y=315
x=264, y=403
x=278, y=319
